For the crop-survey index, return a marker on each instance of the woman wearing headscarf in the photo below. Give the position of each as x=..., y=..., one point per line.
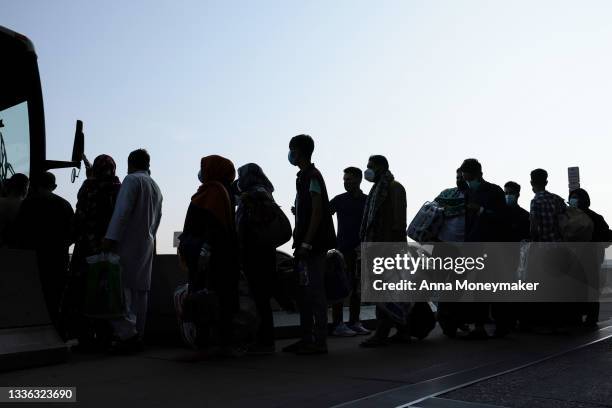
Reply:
x=258, y=258
x=579, y=198
x=95, y=204
x=210, y=223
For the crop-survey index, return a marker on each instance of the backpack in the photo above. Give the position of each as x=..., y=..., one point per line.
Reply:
x=337, y=284
x=427, y=223
x=575, y=225
x=265, y=222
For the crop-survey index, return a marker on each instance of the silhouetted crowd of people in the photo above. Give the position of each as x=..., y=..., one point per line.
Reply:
x=233, y=228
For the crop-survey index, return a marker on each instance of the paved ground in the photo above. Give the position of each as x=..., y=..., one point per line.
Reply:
x=163, y=376
x=577, y=380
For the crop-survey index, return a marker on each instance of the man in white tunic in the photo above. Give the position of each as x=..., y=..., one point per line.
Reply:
x=131, y=233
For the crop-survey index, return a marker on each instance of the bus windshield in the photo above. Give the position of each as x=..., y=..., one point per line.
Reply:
x=14, y=141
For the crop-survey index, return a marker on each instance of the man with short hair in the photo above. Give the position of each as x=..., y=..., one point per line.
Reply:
x=384, y=220
x=546, y=208
x=44, y=225
x=518, y=217
x=348, y=208
x=484, y=222
x=313, y=236
x=131, y=232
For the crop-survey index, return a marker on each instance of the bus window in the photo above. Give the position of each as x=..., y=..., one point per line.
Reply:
x=14, y=141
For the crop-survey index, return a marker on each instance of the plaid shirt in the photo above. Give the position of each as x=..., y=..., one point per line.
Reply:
x=545, y=210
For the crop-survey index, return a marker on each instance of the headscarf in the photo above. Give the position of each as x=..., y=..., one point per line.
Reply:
x=251, y=177
x=95, y=204
x=217, y=174
x=103, y=166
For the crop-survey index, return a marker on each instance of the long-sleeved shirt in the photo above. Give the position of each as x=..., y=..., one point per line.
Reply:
x=544, y=217
x=133, y=225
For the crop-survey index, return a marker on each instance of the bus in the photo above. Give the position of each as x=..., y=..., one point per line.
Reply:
x=26, y=334
x=22, y=119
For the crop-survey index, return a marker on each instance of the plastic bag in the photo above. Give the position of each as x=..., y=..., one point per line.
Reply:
x=337, y=284
x=427, y=223
x=187, y=330
x=103, y=287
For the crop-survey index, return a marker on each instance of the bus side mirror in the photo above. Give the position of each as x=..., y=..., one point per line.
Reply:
x=78, y=148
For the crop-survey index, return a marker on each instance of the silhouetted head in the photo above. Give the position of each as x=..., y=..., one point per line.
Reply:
x=471, y=170
x=250, y=177
x=352, y=179
x=17, y=186
x=139, y=160
x=579, y=198
x=513, y=192
x=217, y=168
x=103, y=167
x=301, y=148
x=47, y=181
x=539, y=180
x=377, y=165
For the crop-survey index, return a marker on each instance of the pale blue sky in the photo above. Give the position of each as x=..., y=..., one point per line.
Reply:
x=519, y=85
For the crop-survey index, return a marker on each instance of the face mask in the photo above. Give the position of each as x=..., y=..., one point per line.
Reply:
x=369, y=175
x=510, y=199
x=292, y=158
x=573, y=202
x=473, y=184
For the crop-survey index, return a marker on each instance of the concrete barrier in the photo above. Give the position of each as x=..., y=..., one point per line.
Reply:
x=162, y=327
x=27, y=337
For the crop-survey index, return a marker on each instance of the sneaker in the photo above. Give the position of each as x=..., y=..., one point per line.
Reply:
x=342, y=330
x=359, y=329
x=307, y=349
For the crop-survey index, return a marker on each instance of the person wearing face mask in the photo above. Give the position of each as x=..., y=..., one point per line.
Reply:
x=258, y=258
x=453, y=201
x=485, y=205
x=384, y=220
x=384, y=217
x=517, y=217
x=484, y=222
x=313, y=236
x=210, y=224
x=349, y=207
x=516, y=230
x=452, y=315
x=602, y=236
